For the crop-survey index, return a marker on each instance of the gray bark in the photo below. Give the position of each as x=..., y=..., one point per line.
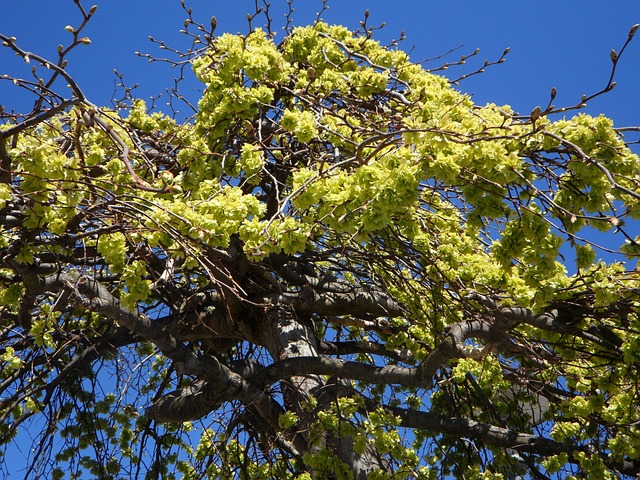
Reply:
x=290, y=338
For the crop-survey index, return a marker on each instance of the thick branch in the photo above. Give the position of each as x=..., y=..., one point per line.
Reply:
x=453, y=345
x=221, y=385
x=96, y=297
x=359, y=301
x=197, y=400
x=299, y=366
x=497, y=436
x=554, y=320
x=348, y=348
x=484, y=432
x=422, y=376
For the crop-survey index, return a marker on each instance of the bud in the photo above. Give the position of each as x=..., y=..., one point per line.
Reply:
x=311, y=73
x=27, y=59
x=633, y=30
x=70, y=29
x=535, y=114
x=554, y=92
x=613, y=55
x=166, y=176
x=85, y=40
x=214, y=24
x=60, y=48
x=93, y=9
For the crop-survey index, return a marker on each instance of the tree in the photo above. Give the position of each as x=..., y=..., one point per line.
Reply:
x=340, y=267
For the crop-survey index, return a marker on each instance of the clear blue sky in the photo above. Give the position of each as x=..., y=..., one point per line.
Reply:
x=564, y=44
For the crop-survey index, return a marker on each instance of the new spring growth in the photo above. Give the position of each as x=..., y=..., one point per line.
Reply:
x=536, y=113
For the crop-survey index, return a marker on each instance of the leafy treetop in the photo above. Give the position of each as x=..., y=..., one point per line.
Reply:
x=339, y=248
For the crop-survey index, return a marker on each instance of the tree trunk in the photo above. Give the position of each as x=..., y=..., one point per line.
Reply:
x=286, y=335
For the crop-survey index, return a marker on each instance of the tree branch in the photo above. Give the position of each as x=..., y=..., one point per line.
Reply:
x=421, y=376
x=359, y=301
x=554, y=320
x=347, y=348
x=484, y=432
x=35, y=120
x=497, y=436
x=96, y=297
x=299, y=366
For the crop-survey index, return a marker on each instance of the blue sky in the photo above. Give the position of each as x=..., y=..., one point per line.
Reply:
x=553, y=44
x=563, y=44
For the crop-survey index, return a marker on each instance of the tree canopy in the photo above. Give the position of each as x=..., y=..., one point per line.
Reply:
x=339, y=267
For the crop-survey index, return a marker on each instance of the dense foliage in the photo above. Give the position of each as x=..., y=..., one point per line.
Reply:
x=340, y=267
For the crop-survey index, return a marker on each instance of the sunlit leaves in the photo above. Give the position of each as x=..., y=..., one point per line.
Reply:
x=320, y=168
x=10, y=361
x=137, y=287
x=287, y=420
x=141, y=120
x=5, y=194
x=300, y=123
x=251, y=160
x=113, y=248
